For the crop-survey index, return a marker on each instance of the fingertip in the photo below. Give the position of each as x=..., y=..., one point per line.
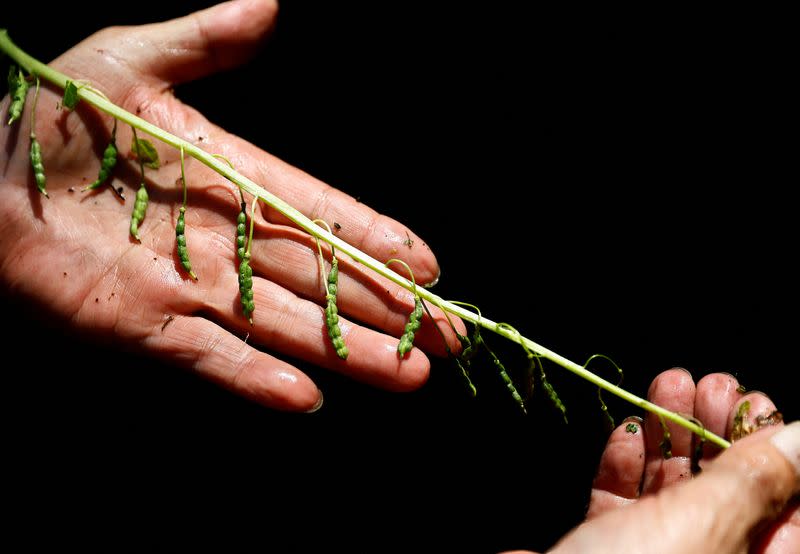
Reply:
x=715, y=397
x=674, y=390
x=281, y=388
x=317, y=405
x=751, y=412
x=412, y=372
x=217, y=38
x=622, y=462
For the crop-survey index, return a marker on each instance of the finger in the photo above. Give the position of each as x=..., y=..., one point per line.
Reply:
x=379, y=236
x=751, y=412
x=215, y=354
x=202, y=43
x=290, y=258
x=296, y=327
x=674, y=390
x=363, y=296
x=619, y=475
x=715, y=397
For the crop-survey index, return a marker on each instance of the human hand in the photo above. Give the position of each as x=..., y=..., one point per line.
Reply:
x=740, y=501
x=72, y=260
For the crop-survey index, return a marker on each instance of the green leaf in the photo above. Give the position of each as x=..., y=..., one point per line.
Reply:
x=143, y=149
x=70, y=99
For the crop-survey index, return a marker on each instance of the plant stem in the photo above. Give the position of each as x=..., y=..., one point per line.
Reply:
x=98, y=100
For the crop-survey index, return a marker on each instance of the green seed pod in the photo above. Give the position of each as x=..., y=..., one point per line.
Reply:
x=469, y=347
x=552, y=394
x=180, y=235
x=108, y=163
x=241, y=231
x=246, y=287
x=412, y=326
x=332, y=312
x=38, y=166
x=17, y=90
x=508, y=382
x=139, y=211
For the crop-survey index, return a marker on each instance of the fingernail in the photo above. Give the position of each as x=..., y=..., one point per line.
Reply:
x=435, y=280
x=318, y=405
x=787, y=441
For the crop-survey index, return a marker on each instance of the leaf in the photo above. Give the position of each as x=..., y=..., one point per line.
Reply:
x=143, y=149
x=70, y=99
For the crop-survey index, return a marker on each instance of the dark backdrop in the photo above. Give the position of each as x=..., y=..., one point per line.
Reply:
x=607, y=182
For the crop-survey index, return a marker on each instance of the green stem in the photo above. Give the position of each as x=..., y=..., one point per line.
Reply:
x=98, y=100
x=183, y=177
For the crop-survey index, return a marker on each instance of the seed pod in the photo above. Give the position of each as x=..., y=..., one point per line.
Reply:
x=507, y=380
x=246, y=287
x=183, y=252
x=180, y=226
x=38, y=166
x=552, y=394
x=412, y=326
x=108, y=163
x=139, y=211
x=17, y=90
x=241, y=230
x=332, y=312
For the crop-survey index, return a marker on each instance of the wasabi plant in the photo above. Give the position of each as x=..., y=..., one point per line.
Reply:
x=27, y=68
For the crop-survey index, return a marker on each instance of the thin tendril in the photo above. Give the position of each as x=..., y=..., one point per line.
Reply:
x=33, y=107
x=252, y=221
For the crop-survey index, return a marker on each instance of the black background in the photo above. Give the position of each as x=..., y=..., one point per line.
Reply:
x=608, y=182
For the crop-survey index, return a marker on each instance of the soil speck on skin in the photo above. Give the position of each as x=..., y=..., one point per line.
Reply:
x=65, y=274
x=337, y=226
x=71, y=189
x=97, y=300
x=167, y=322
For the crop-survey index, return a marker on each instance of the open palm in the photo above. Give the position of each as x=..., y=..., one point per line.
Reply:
x=71, y=256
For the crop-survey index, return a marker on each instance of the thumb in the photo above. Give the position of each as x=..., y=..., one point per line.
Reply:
x=752, y=481
x=204, y=42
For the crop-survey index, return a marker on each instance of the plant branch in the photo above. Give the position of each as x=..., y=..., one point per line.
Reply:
x=102, y=103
